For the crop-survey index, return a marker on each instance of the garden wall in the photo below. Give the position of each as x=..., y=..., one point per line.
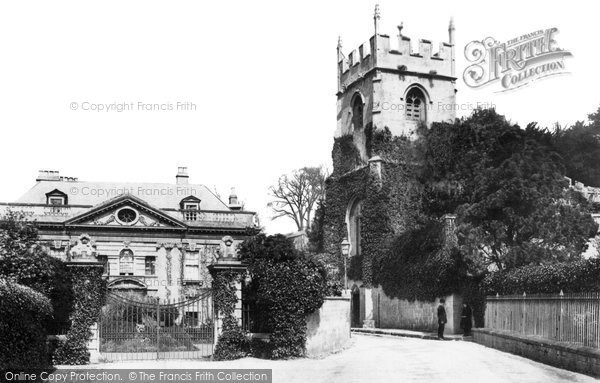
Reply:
x=328, y=329
x=559, y=354
x=417, y=315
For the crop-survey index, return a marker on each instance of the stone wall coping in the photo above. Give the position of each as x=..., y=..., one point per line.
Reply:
x=84, y=264
x=335, y=298
x=536, y=340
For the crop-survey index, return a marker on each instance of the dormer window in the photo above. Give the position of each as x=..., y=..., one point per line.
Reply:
x=56, y=197
x=56, y=201
x=190, y=207
x=190, y=211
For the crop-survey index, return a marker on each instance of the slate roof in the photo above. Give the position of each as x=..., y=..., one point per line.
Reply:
x=161, y=199
x=160, y=195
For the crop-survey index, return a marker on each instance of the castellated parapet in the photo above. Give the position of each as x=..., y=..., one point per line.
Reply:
x=399, y=59
x=379, y=82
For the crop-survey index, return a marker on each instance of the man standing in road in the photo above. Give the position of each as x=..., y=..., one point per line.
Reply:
x=441, y=314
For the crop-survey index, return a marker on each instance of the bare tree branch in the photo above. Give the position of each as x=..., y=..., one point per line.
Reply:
x=296, y=195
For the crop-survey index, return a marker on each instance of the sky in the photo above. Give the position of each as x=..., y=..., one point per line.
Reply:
x=261, y=76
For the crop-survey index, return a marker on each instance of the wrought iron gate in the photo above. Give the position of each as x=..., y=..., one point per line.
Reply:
x=133, y=327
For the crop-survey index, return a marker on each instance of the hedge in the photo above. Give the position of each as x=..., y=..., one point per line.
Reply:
x=287, y=286
x=22, y=331
x=89, y=289
x=572, y=277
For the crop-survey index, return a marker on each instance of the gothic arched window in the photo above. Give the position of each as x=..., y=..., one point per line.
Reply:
x=357, y=112
x=126, y=262
x=415, y=105
x=354, y=217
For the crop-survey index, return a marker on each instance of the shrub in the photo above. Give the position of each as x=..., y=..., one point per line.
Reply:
x=288, y=286
x=22, y=334
x=571, y=277
x=89, y=296
x=232, y=343
x=25, y=261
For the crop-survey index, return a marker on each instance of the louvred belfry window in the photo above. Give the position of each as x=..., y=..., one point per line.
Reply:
x=415, y=105
x=357, y=113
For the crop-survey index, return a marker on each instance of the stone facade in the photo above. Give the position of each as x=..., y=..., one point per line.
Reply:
x=153, y=239
x=386, y=92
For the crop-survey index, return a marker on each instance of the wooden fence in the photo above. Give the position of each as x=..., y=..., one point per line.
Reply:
x=561, y=317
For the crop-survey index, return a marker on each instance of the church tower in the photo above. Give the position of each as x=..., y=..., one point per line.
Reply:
x=386, y=91
x=384, y=83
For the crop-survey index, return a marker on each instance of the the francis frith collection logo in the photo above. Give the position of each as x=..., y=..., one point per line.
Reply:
x=515, y=63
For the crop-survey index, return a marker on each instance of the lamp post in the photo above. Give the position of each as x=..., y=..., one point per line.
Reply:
x=345, y=249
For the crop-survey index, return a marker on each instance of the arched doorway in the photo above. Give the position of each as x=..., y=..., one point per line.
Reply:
x=355, y=307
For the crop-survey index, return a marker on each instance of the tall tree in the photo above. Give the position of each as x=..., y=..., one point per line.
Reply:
x=316, y=233
x=507, y=187
x=22, y=259
x=296, y=195
x=579, y=146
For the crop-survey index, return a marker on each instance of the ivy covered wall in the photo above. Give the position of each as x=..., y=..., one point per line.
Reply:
x=388, y=189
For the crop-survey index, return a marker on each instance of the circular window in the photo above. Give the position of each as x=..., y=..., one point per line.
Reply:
x=127, y=216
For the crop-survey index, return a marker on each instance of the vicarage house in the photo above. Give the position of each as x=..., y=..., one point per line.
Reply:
x=154, y=239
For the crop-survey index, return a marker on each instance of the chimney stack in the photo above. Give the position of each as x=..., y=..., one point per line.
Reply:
x=182, y=177
x=48, y=175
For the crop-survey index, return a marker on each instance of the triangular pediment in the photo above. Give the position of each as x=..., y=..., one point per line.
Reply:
x=126, y=211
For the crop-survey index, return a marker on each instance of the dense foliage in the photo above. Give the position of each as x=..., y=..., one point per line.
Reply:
x=288, y=286
x=315, y=234
x=23, y=336
x=89, y=289
x=419, y=266
x=340, y=192
x=345, y=155
x=570, y=277
x=232, y=343
x=24, y=261
x=579, y=147
x=507, y=188
x=505, y=184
